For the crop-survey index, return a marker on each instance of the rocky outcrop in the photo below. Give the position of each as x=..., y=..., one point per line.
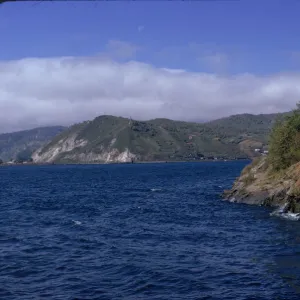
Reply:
x=260, y=185
x=62, y=146
x=106, y=156
x=71, y=149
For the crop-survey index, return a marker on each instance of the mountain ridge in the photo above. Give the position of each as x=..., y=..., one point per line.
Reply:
x=248, y=131
x=108, y=138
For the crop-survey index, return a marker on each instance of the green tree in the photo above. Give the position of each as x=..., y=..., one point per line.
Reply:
x=284, y=145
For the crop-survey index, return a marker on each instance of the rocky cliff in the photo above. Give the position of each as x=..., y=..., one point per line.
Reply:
x=69, y=149
x=260, y=185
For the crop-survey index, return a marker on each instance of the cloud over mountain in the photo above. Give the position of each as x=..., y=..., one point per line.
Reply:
x=64, y=90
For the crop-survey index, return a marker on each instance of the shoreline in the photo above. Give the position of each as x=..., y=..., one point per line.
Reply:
x=122, y=163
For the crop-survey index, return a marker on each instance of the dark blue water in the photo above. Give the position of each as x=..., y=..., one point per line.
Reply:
x=149, y=231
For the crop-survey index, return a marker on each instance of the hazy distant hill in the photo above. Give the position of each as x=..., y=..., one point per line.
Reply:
x=116, y=139
x=23, y=143
x=257, y=126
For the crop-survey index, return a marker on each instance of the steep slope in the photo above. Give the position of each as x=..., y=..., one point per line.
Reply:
x=116, y=139
x=23, y=143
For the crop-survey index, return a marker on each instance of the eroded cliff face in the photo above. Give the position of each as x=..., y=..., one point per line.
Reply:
x=63, y=145
x=260, y=185
x=72, y=150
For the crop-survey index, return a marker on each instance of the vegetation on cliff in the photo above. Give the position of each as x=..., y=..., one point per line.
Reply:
x=284, y=145
x=274, y=180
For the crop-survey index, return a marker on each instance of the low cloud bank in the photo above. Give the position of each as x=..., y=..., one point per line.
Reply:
x=61, y=91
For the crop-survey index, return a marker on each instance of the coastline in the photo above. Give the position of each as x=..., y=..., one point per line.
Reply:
x=257, y=185
x=126, y=163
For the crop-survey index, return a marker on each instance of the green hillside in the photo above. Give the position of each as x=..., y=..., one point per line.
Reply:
x=106, y=137
x=246, y=125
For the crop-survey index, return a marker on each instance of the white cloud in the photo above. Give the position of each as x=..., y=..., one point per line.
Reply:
x=208, y=56
x=174, y=71
x=54, y=91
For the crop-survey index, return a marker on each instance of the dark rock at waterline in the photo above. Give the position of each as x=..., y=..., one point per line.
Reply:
x=257, y=185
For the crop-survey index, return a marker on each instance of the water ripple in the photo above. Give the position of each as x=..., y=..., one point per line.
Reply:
x=153, y=231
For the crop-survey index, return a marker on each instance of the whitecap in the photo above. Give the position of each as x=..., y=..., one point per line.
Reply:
x=77, y=222
x=291, y=216
x=155, y=190
x=280, y=210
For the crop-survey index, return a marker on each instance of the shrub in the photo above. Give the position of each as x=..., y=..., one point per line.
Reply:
x=284, y=145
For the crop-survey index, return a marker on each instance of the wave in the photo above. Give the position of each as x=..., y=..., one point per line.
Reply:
x=76, y=222
x=283, y=212
x=155, y=190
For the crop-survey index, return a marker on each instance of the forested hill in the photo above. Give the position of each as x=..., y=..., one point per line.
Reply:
x=114, y=139
x=257, y=126
x=160, y=139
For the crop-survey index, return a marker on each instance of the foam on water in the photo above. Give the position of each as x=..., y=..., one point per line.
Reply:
x=283, y=213
x=77, y=222
x=155, y=190
x=291, y=216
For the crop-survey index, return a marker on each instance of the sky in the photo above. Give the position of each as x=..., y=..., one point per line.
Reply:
x=64, y=62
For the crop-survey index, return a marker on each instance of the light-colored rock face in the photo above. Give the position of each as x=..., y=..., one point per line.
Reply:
x=65, y=147
x=106, y=156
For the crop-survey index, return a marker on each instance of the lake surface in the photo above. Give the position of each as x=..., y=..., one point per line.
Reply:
x=141, y=231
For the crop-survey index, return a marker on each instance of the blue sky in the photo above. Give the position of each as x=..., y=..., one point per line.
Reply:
x=254, y=36
x=184, y=60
